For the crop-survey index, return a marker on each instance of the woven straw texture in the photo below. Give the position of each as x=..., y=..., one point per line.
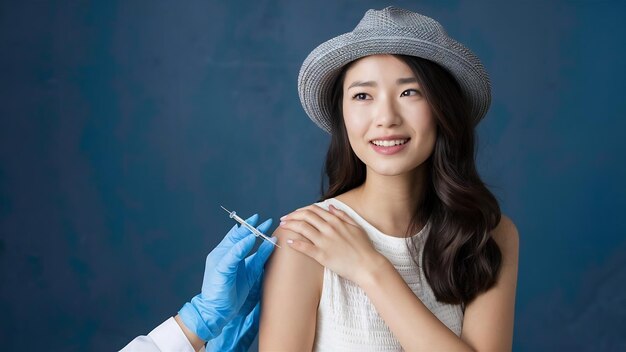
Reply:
x=391, y=30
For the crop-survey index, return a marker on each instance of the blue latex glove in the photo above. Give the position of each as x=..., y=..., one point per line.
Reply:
x=239, y=334
x=228, y=279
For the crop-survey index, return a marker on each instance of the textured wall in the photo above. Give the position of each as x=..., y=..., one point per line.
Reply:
x=125, y=124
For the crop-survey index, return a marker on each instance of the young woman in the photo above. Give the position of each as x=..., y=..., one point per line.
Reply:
x=407, y=248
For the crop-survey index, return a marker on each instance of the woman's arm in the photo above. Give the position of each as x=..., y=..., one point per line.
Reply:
x=488, y=320
x=291, y=293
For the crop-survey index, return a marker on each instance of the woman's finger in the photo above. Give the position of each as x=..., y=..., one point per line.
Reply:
x=332, y=218
x=324, y=214
x=313, y=215
x=307, y=249
x=342, y=215
x=303, y=228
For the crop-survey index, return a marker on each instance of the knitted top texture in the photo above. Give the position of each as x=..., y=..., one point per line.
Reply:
x=348, y=321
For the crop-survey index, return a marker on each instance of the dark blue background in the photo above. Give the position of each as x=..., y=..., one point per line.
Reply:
x=125, y=124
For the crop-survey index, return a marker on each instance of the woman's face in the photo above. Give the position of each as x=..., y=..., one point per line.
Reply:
x=381, y=99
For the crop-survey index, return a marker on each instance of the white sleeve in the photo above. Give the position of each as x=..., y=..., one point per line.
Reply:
x=164, y=338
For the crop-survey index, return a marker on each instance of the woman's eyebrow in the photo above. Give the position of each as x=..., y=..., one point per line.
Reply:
x=399, y=81
x=406, y=80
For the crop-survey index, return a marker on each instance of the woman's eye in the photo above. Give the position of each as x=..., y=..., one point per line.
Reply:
x=417, y=92
x=359, y=96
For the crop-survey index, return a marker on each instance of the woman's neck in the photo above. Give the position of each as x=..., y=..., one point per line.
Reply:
x=387, y=202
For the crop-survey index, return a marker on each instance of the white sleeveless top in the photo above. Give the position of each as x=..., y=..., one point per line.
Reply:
x=348, y=321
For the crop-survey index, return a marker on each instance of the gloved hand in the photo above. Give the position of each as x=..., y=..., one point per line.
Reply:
x=239, y=334
x=228, y=279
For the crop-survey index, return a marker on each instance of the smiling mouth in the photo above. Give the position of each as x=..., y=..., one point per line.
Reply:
x=390, y=147
x=389, y=143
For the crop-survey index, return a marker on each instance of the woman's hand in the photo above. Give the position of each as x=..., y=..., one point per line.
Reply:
x=337, y=242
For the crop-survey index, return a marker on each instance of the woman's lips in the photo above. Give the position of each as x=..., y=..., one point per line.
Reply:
x=389, y=150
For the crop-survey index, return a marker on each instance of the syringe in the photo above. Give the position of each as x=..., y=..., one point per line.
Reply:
x=257, y=233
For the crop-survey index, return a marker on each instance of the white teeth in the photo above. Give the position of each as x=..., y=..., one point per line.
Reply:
x=390, y=143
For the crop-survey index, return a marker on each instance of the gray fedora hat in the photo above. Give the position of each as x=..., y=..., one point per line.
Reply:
x=391, y=30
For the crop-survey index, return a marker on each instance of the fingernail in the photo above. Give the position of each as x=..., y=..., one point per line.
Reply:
x=290, y=241
x=282, y=223
x=282, y=217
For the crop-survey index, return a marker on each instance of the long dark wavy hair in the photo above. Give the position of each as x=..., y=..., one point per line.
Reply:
x=460, y=259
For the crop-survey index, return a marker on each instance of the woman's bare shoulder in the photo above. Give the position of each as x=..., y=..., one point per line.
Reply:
x=291, y=260
x=292, y=288
x=286, y=254
x=286, y=266
x=506, y=235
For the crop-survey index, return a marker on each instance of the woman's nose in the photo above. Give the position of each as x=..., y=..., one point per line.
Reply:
x=387, y=114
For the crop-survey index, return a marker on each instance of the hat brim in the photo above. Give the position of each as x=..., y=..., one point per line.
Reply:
x=323, y=64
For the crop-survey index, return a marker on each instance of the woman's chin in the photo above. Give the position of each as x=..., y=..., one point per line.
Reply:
x=394, y=168
x=390, y=171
